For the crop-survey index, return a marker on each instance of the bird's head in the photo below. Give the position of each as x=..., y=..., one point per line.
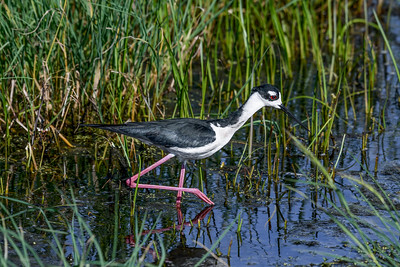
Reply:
x=272, y=97
x=269, y=94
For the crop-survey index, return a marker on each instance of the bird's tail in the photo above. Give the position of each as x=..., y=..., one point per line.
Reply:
x=117, y=128
x=94, y=125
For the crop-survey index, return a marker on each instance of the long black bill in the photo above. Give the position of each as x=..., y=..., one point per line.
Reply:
x=283, y=108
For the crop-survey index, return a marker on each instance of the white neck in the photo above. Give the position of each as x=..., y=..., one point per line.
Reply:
x=236, y=119
x=253, y=104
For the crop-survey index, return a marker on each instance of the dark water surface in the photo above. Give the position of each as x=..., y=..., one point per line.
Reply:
x=280, y=224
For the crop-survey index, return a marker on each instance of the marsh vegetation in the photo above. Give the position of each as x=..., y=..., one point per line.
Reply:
x=282, y=195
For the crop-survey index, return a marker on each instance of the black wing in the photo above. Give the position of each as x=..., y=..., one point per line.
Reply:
x=166, y=133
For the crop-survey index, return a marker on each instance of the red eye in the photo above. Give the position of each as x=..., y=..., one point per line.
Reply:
x=273, y=97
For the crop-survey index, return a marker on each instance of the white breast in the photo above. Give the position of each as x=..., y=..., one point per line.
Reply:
x=222, y=136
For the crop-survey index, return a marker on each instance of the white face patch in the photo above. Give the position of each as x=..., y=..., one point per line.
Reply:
x=273, y=93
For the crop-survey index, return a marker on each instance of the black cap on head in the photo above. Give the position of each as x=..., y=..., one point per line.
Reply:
x=267, y=91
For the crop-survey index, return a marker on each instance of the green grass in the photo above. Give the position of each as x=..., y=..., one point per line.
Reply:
x=107, y=61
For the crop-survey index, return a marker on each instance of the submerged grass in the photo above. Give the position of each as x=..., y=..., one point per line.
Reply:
x=71, y=240
x=67, y=62
x=376, y=241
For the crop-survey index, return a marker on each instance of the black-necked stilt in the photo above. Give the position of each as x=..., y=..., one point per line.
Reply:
x=193, y=138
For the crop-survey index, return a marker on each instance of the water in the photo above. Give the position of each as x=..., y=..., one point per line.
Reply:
x=285, y=225
x=279, y=226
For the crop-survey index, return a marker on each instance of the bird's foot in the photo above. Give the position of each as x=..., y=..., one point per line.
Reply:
x=194, y=191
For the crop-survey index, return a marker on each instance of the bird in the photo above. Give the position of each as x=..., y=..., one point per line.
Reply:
x=193, y=139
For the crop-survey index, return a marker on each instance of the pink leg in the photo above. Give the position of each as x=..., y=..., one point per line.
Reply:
x=181, y=180
x=131, y=182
